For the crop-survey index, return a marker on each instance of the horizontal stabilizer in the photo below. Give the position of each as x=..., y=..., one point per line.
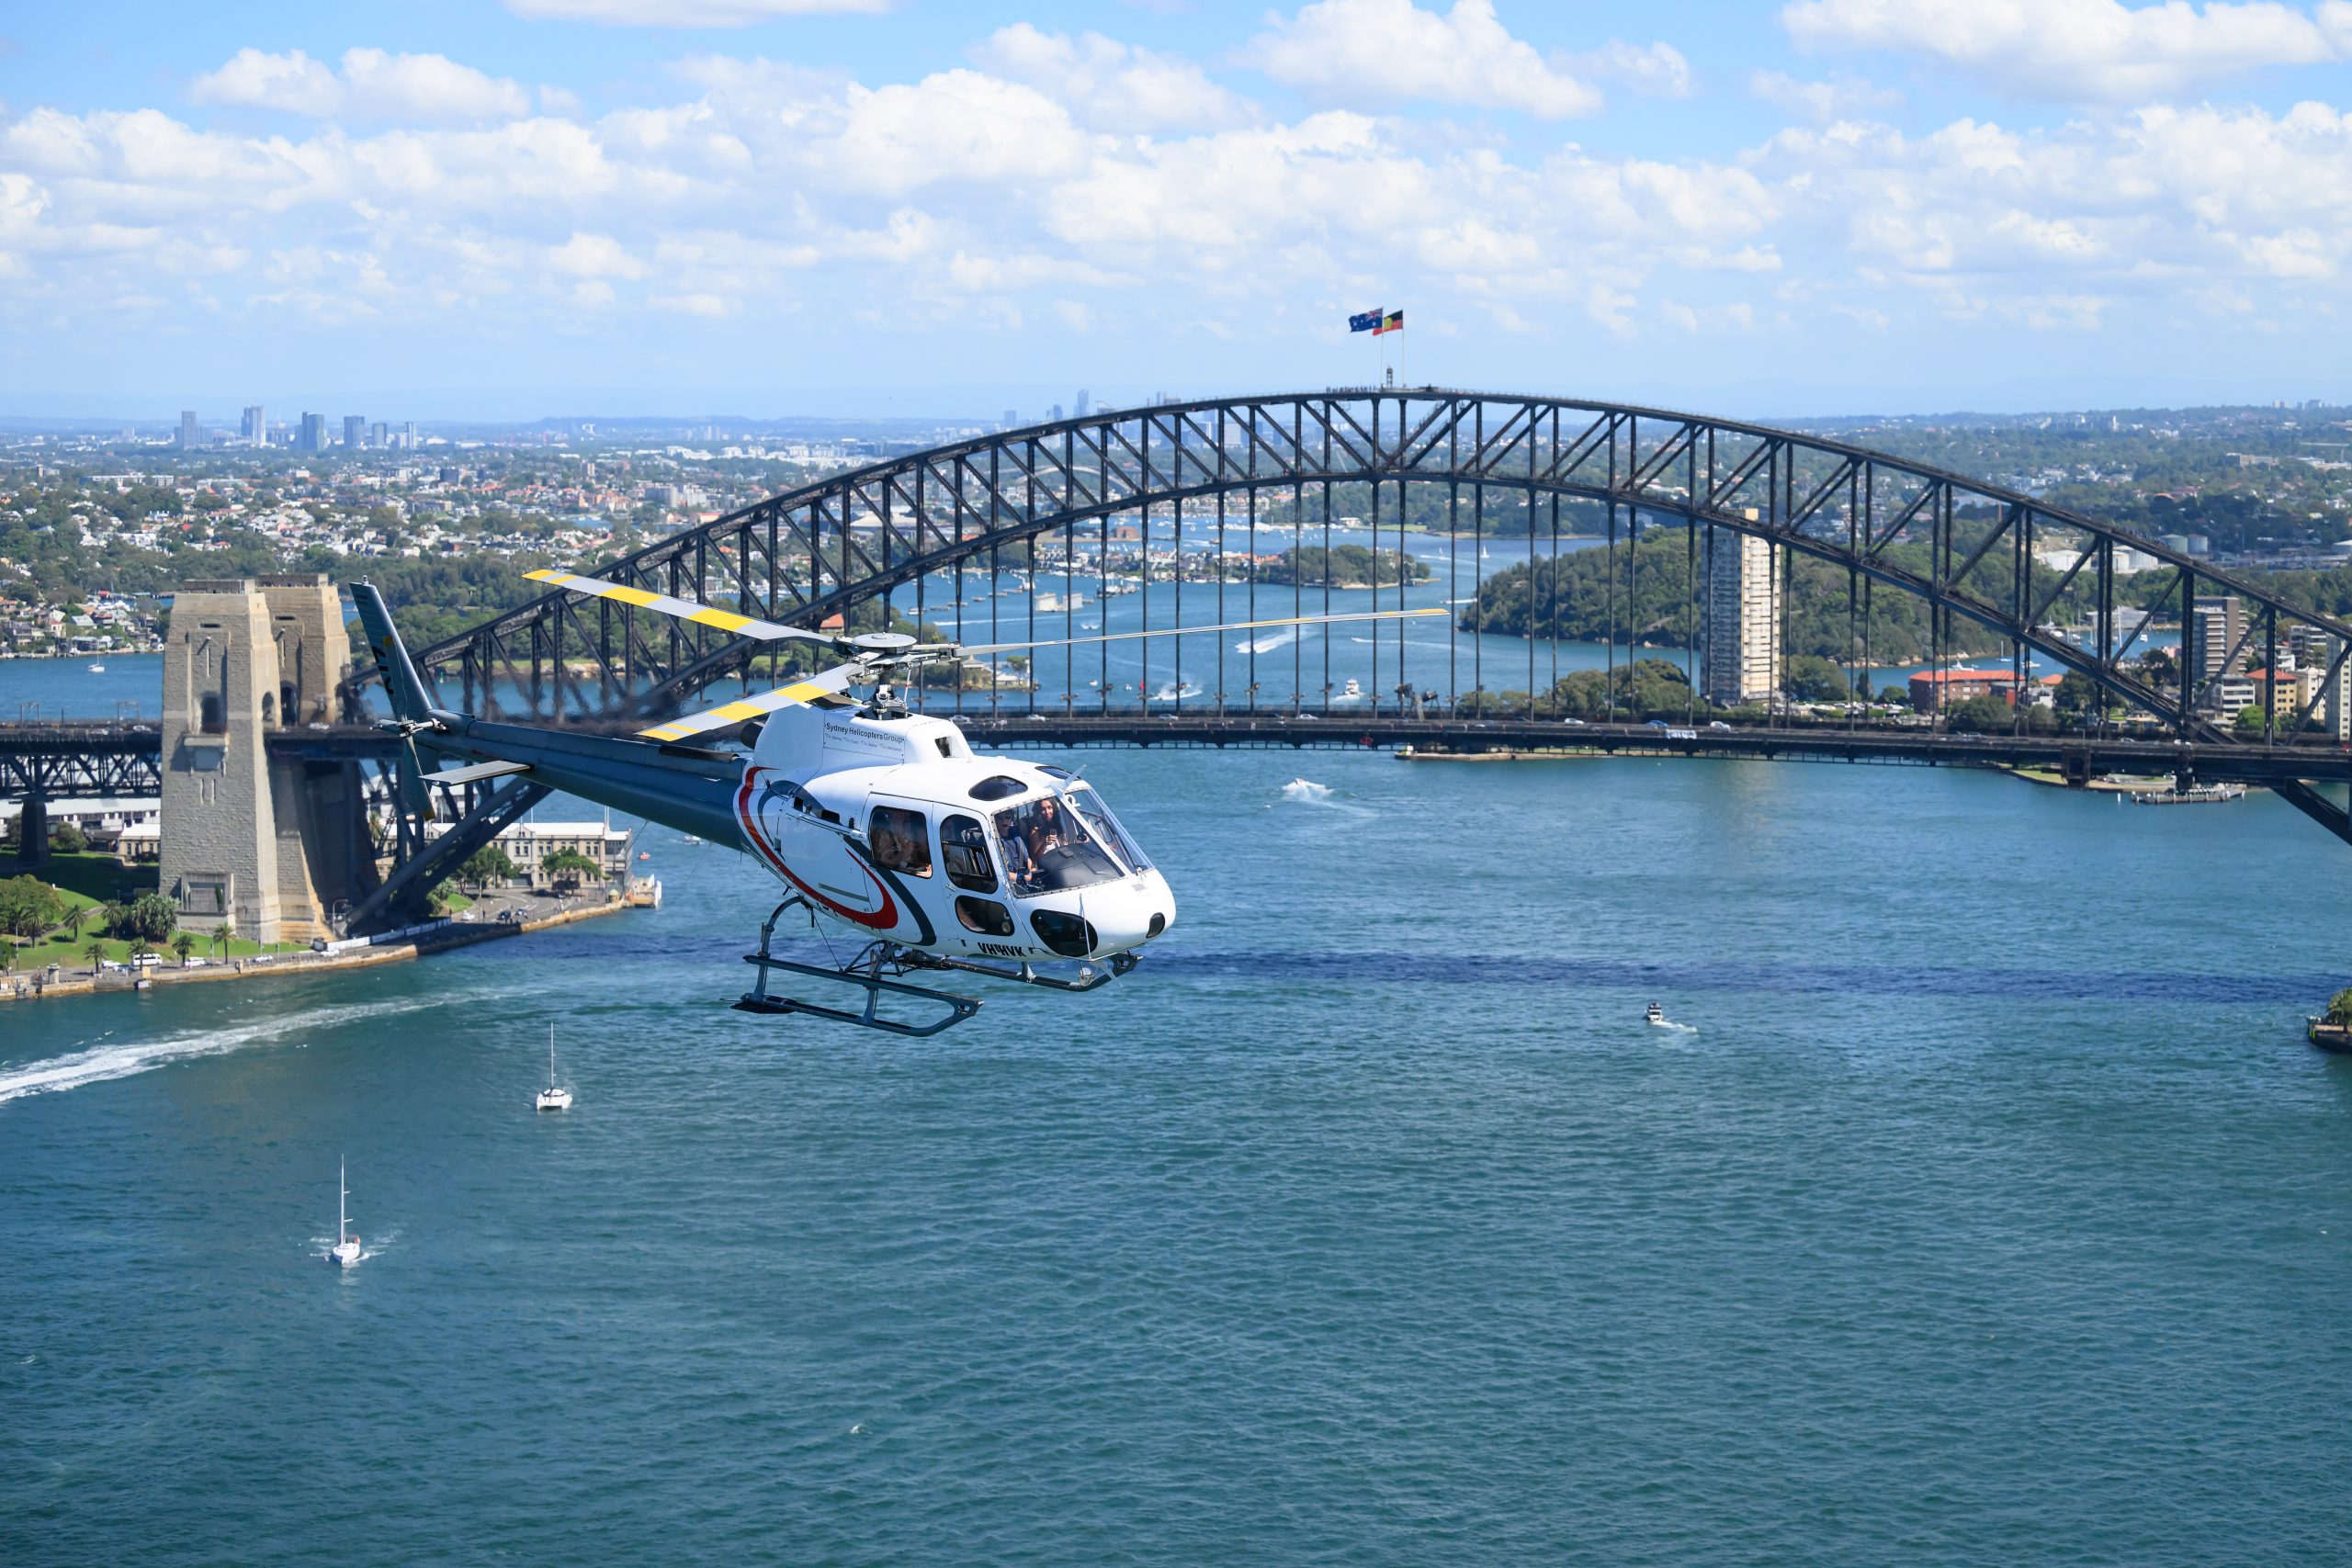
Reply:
x=474, y=772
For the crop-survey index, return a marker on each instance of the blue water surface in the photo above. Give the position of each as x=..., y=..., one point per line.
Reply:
x=1990, y=1209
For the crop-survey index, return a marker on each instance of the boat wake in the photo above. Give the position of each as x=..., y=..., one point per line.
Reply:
x=1668, y=1023
x=1305, y=789
x=1268, y=643
x=122, y=1059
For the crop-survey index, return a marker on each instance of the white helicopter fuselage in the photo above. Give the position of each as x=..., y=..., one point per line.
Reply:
x=888, y=825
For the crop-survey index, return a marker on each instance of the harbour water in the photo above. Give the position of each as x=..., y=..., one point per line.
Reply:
x=1993, y=1211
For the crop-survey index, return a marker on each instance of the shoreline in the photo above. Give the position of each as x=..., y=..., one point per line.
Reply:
x=443, y=939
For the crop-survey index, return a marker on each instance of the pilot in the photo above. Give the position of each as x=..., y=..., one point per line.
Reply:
x=1019, y=869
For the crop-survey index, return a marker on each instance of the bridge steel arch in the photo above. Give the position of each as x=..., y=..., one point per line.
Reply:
x=829, y=548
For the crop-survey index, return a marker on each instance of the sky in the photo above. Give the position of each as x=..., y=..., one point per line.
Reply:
x=517, y=209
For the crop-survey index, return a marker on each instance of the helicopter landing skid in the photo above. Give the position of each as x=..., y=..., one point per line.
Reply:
x=757, y=999
x=1088, y=978
x=874, y=971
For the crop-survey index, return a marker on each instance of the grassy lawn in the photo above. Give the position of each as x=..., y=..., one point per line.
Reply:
x=87, y=881
x=68, y=951
x=98, y=878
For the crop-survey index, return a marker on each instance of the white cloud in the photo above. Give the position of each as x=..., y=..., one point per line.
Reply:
x=957, y=125
x=1110, y=85
x=979, y=199
x=594, y=256
x=371, y=86
x=2078, y=50
x=1839, y=97
x=1659, y=69
x=711, y=307
x=1364, y=53
x=683, y=13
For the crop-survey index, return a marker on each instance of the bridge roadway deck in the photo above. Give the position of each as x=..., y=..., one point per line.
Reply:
x=70, y=758
x=2091, y=757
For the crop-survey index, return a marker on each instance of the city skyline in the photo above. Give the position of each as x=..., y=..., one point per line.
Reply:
x=799, y=206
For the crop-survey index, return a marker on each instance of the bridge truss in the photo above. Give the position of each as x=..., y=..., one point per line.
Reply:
x=1195, y=500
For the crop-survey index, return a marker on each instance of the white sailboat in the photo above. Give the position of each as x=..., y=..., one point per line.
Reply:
x=344, y=1253
x=552, y=1098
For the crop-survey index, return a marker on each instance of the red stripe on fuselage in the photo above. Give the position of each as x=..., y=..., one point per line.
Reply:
x=886, y=920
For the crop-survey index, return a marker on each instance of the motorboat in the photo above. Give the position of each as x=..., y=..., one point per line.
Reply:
x=688, y=839
x=553, y=1097
x=1655, y=1014
x=346, y=1252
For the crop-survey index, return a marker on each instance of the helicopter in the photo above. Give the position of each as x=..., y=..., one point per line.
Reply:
x=883, y=824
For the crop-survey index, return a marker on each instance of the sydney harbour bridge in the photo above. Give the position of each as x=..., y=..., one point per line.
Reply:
x=1229, y=509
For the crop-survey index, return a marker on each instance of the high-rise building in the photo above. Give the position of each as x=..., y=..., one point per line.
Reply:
x=1085, y=403
x=2215, y=626
x=2335, y=709
x=1743, y=636
x=1011, y=417
x=254, y=429
x=408, y=437
x=355, y=431
x=379, y=435
x=1053, y=414
x=187, y=429
x=313, y=437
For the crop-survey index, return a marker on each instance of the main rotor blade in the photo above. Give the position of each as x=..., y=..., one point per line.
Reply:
x=683, y=609
x=1195, y=631
x=815, y=688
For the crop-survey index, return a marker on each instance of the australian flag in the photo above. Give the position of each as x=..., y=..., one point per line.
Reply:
x=1367, y=322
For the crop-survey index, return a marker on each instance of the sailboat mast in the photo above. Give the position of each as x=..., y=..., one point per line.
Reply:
x=341, y=1192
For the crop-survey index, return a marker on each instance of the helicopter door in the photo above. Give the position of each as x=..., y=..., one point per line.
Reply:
x=811, y=846
x=898, y=839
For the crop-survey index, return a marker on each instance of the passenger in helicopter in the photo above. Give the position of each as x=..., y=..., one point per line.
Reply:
x=1043, y=831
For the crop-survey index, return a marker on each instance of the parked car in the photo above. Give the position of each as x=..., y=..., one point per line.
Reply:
x=1655, y=724
x=1717, y=724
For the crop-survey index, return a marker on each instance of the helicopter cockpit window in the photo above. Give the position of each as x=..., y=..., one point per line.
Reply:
x=1048, y=848
x=900, y=840
x=996, y=786
x=963, y=845
x=1105, y=827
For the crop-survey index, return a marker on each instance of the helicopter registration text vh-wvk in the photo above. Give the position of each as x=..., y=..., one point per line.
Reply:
x=880, y=823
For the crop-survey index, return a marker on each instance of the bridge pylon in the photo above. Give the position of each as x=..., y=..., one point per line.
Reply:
x=273, y=844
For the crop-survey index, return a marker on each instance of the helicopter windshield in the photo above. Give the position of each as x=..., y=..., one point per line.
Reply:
x=1105, y=827
x=1048, y=848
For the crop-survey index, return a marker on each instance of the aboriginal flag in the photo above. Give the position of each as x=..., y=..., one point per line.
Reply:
x=1392, y=323
x=1367, y=322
